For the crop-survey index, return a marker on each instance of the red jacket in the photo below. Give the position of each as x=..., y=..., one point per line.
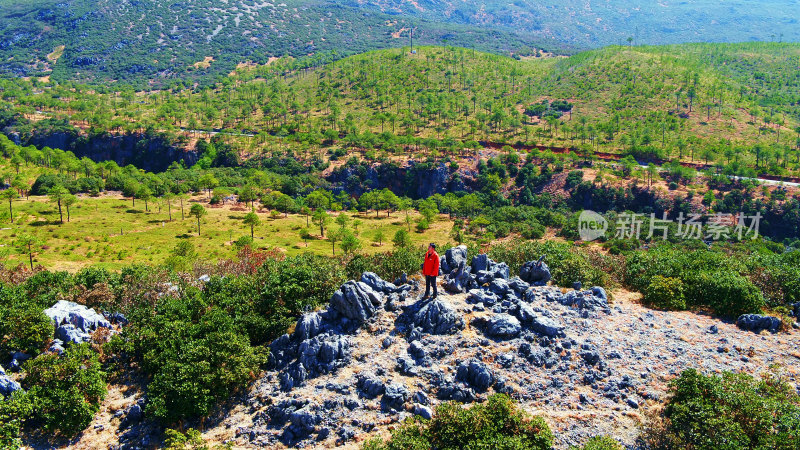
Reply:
x=431, y=266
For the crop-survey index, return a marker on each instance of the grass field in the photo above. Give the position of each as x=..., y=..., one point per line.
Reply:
x=110, y=232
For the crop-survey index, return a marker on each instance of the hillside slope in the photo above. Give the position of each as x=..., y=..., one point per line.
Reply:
x=144, y=41
x=699, y=103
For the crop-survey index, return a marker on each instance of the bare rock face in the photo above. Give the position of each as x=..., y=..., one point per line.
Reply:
x=476, y=374
x=758, y=323
x=503, y=326
x=356, y=301
x=436, y=317
x=535, y=272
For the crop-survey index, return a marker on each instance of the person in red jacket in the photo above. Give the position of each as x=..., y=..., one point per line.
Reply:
x=430, y=268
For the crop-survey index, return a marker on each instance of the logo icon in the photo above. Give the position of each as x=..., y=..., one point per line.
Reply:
x=591, y=226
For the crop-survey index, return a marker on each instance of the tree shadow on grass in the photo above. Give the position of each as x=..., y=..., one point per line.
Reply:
x=183, y=236
x=44, y=223
x=134, y=211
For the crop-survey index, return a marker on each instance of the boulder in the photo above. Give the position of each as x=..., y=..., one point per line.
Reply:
x=308, y=326
x=475, y=374
x=437, y=317
x=586, y=299
x=546, y=326
x=499, y=287
x=82, y=318
x=69, y=334
x=376, y=283
x=456, y=392
x=356, y=301
x=57, y=347
x=525, y=313
x=600, y=293
x=453, y=258
x=324, y=353
x=480, y=263
x=395, y=396
x=757, y=323
x=422, y=411
x=8, y=386
x=518, y=285
x=535, y=272
x=458, y=280
x=370, y=385
x=503, y=326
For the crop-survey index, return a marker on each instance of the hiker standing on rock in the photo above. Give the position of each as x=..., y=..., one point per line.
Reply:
x=430, y=268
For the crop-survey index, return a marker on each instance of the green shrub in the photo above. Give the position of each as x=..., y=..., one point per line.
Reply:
x=731, y=411
x=388, y=265
x=24, y=327
x=195, y=354
x=665, y=293
x=728, y=294
x=496, y=424
x=600, y=443
x=65, y=392
x=14, y=411
x=566, y=263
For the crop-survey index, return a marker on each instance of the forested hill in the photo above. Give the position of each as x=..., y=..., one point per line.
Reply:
x=730, y=104
x=153, y=41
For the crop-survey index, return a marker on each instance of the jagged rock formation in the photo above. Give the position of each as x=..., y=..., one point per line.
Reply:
x=535, y=272
x=320, y=343
x=337, y=377
x=74, y=323
x=758, y=323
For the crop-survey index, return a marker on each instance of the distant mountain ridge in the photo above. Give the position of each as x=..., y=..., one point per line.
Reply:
x=157, y=41
x=593, y=23
x=153, y=40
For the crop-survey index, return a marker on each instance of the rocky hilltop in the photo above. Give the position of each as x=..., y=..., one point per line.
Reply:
x=589, y=363
x=378, y=354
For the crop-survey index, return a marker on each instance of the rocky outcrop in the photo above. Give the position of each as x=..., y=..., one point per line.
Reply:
x=461, y=278
x=356, y=301
x=321, y=341
x=75, y=323
x=535, y=272
x=453, y=258
x=758, y=323
x=476, y=374
x=436, y=317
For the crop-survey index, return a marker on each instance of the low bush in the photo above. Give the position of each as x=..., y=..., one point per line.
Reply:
x=65, y=392
x=195, y=355
x=566, y=263
x=731, y=411
x=665, y=293
x=497, y=423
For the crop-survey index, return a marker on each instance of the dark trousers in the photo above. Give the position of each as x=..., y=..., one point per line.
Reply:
x=430, y=281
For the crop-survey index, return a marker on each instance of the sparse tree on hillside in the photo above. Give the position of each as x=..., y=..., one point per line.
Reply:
x=378, y=237
x=69, y=200
x=57, y=194
x=253, y=221
x=401, y=239
x=197, y=211
x=322, y=219
x=26, y=244
x=9, y=194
